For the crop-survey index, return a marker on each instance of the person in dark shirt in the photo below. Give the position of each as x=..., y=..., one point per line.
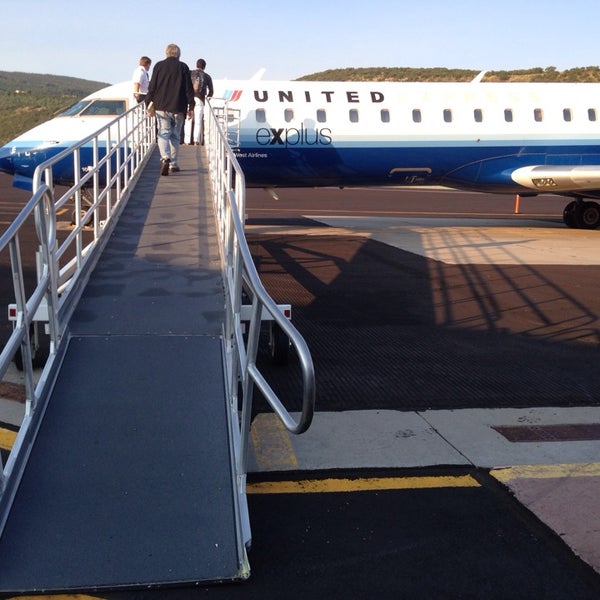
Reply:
x=203, y=89
x=171, y=97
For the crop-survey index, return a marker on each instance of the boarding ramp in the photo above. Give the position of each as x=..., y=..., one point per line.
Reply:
x=129, y=469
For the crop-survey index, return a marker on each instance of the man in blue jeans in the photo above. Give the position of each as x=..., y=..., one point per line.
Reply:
x=171, y=97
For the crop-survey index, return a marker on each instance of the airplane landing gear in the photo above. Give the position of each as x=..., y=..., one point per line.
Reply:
x=580, y=214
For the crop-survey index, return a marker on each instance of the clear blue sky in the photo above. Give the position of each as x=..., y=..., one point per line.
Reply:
x=103, y=41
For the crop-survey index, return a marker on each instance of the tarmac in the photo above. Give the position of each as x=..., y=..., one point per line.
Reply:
x=558, y=481
x=548, y=458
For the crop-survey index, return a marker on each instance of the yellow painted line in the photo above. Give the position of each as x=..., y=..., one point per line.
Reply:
x=547, y=471
x=324, y=486
x=271, y=444
x=7, y=438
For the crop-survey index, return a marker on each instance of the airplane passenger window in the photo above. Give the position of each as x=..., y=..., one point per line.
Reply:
x=416, y=115
x=567, y=114
x=385, y=115
x=478, y=115
x=508, y=115
x=261, y=116
x=447, y=115
x=353, y=114
x=321, y=115
x=288, y=115
x=592, y=114
x=538, y=114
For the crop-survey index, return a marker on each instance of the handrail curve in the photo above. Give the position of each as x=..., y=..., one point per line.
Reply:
x=240, y=275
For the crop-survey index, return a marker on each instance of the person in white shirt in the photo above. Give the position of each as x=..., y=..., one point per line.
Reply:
x=141, y=79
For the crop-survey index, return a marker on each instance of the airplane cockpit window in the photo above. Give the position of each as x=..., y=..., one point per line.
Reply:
x=353, y=115
x=105, y=108
x=321, y=115
x=508, y=115
x=447, y=115
x=416, y=115
x=538, y=114
x=75, y=109
x=567, y=114
x=592, y=114
x=288, y=114
x=261, y=116
x=385, y=115
x=478, y=115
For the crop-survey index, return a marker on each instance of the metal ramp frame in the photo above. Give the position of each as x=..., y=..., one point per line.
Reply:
x=130, y=467
x=129, y=479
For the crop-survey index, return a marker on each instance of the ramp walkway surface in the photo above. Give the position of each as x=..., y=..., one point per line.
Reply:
x=129, y=480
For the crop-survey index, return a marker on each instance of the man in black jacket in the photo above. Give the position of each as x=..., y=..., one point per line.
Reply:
x=171, y=97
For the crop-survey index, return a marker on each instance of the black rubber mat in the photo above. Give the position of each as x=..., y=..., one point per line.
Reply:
x=391, y=329
x=129, y=481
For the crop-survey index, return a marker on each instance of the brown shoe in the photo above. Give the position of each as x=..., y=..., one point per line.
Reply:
x=164, y=166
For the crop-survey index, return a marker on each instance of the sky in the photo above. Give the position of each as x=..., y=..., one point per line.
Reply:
x=103, y=41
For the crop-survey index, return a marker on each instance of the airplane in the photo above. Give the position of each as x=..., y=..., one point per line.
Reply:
x=518, y=138
x=22, y=155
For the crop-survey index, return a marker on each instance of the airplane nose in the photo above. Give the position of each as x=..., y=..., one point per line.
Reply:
x=6, y=162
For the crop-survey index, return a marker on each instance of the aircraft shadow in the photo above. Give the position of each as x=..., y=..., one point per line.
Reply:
x=389, y=329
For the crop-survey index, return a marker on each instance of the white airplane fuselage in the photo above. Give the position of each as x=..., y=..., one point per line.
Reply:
x=472, y=135
x=525, y=138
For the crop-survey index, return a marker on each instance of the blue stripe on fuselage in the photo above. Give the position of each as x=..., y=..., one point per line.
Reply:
x=23, y=158
x=454, y=163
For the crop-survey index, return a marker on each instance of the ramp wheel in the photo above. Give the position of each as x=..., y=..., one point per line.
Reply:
x=279, y=344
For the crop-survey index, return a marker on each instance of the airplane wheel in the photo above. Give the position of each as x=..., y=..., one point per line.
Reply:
x=87, y=223
x=569, y=214
x=587, y=215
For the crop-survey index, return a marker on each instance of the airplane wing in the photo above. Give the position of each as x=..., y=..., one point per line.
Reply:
x=558, y=179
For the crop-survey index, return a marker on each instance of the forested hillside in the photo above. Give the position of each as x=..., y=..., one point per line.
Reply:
x=537, y=74
x=27, y=99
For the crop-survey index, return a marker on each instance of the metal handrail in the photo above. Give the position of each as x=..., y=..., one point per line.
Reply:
x=119, y=151
x=240, y=275
x=41, y=206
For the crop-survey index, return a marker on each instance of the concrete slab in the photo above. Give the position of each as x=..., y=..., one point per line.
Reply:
x=565, y=499
x=11, y=412
x=353, y=439
x=477, y=241
x=471, y=432
x=396, y=439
